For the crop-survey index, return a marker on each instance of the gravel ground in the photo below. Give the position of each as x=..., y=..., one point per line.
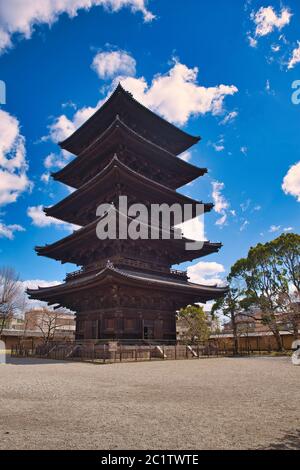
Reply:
x=246, y=403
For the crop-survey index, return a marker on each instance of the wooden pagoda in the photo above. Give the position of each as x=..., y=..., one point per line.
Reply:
x=125, y=289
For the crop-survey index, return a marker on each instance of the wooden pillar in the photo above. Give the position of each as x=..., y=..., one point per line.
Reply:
x=158, y=329
x=119, y=324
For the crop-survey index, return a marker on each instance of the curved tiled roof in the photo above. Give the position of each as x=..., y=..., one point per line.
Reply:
x=204, y=292
x=186, y=171
x=78, y=198
x=175, y=140
x=87, y=235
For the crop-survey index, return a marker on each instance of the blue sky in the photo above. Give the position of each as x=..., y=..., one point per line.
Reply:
x=175, y=56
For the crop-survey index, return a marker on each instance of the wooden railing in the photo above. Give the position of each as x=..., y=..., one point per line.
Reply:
x=101, y=353
x=131, y=263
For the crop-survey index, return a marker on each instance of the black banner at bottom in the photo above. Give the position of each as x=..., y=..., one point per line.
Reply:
x=139, y=459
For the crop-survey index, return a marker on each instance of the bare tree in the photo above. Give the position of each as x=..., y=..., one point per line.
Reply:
x=49, y=321
x=11, y=296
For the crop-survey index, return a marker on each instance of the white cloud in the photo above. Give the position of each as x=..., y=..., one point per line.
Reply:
x=291, y=182
x=39, y=219
x=295, y=59
x=45, y=178
x=64, y=127
x=252, y=41
x=288, y=229
x=218, y=147
x=244, y=150
x=245, y=205
x=176, y=96
x=268, y=88
x=69, y=104
x=230, y=117
x=220, y=202
x=266, y=20
x=60, y=129
x=275, y=47
x=222, y=221
x=35, y=284
x=274, y=228
x=8, y=231
x=207, y=273
x=111, y=64
x=12, y=185
x=57, y=161
x=186, y=156
x=244, y=225
x=21, y=17
x=51, y=160
x=13, y=165
x=194, y=229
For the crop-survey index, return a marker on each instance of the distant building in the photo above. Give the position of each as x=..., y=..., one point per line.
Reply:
x=37, y=320
x=253, y=334
x=253, y=323
x=247, y=323
x=15, y=323
x=32, y=329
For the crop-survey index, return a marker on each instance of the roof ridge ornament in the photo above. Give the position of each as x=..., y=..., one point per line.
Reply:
x=110, y=264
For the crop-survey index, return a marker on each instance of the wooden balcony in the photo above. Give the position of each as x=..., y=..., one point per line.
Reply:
x=125, y=264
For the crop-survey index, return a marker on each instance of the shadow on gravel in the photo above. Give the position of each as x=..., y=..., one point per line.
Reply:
x=290, y=441
x=31, y=362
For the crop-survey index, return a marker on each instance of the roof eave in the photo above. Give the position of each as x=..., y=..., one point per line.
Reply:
x=207, y=292
x=70, y=142
x=116, y=165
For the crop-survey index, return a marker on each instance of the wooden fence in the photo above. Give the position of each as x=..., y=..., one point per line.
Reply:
x=116, y=353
